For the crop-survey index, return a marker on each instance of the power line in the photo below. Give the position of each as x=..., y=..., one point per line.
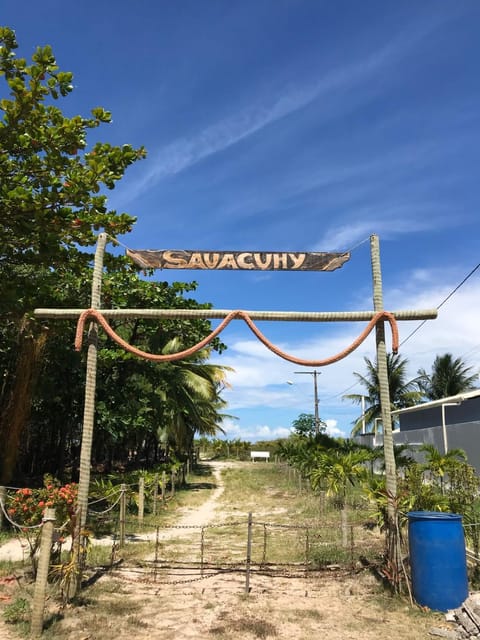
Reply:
x=419, y=326
x=443, y=302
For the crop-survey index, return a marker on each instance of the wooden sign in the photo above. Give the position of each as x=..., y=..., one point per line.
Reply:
x=239, y=260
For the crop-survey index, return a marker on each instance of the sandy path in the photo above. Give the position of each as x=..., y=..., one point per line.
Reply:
x=16, y=550
x=205, y=513
x=334, y=606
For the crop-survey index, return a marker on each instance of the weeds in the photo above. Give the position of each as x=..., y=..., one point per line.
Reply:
x=17, y=612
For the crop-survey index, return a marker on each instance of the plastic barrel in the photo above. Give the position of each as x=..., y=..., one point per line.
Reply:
x=438, y=559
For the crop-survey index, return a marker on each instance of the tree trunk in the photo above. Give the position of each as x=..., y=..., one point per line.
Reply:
x=17, y=400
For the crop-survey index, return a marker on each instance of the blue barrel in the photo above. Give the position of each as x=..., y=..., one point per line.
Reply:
x=438, y=559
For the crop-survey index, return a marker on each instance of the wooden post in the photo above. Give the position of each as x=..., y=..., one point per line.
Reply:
x=382, y=371
x=3, y=504
x=90, y=385
x=164, y=482
x=123, y=513
x=141, y=499
x=307, y=548
x=173, y=482
x=393, y=543
x=344, y=527
x=322, y=500
x=38, y=606
x=249, y=554
x=264, y=555
x=157, y=544
x=155, y=494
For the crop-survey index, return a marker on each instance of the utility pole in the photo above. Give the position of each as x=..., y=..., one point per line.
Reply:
x=314, y=373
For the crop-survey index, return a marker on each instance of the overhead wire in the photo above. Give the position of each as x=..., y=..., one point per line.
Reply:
x=452, y=292
x=443, y=302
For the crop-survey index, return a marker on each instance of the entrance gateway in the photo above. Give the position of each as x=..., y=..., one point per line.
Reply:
x=234, y=260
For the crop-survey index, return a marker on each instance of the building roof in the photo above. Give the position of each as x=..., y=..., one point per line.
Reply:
x=458, y=399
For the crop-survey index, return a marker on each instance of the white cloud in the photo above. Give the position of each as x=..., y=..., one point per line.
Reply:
x=254, y=432
x=182, y=153
x=260, y=377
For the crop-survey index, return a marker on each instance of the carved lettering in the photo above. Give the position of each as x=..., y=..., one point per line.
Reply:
x=280, y=261
x=211, y=260
x=196, y=261
x=245, y=261
x=263, y=265
x=227, y=262
x=298, y=259
x=176, y=258
x=261, y=261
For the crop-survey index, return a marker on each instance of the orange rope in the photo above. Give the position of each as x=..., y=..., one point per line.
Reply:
x=94, y=313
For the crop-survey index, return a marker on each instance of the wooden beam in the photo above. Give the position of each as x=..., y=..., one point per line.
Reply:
x=288, y=316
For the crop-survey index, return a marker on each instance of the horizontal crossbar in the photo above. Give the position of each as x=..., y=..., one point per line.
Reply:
x=286, y=316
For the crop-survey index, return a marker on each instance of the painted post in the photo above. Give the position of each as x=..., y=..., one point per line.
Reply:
x=89, y=407
x=90, y=385
x=40, y=591
x=388, y=448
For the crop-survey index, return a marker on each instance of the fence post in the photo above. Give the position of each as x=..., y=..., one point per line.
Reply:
x=123, y=513
x=307, y=548
x=141, y=499
x=202, y=550
x=157, y=543
x=173, y=482
x=249, y=554
x=344, y=524
x=322, y=499
x=38, y=605
x=352, y=546
x=164, y=482
x=3, y=500
x=264, y=556
x=155, y=494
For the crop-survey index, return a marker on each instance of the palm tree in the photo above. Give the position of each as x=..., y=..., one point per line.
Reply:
x=448, y=377
x=335, y=470
x=191, y=393
x=402, y=393
x=440, y=464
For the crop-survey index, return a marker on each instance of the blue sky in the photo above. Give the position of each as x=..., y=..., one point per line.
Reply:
x=282, y=125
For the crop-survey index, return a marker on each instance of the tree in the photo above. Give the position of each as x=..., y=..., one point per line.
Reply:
x=335, y=470
x=441, y=464
x=53, y=189
x=50, y=181
x=402, y=393
x=448, y=377
x=305, y=425
x=52, y=207
x=191, y=392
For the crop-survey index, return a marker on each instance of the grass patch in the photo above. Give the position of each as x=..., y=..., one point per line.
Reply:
x=256, y=627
